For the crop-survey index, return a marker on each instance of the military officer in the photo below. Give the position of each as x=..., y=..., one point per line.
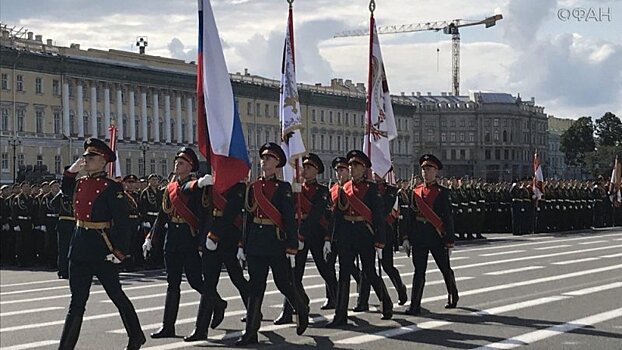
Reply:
x=100, y=240
x=150, y=202
x=180, y=219
x=49, y=220
x=271, y=242
x=312, y=232
x=24, y=214
x=6, y=245
x=432, y=232
x=360, y=230
x=63, y=205
x=137, y=235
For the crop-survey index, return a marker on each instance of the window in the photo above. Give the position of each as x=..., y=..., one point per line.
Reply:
x=347, y=117
x=249, y=108
x=57, y=121
x=20, y=119
x=57, y=164
x=399, y=146
x=126, y=131
x=183, y=132
x=330, y=142
x=443, y=123
x=452, y=137
x=128, y=165
x=506, y=154
x=505, y=136
x=72, y=119
x=453, y=124
x=258, y=109
x=39, y=121
x=462, y=123
x=322, y=117
x=322, y=142
x=20, y=160
x=313, y=118
x=471, y=137
x=487, y=154
x=100, y=124
x=497, y=154
x=5, y=81
x=19, y=83
x=339, y=143
x=267, y=136
x=313, y=143
x=141, y=166
x=39, y=160
x=339, y=118
x=276, y=111
x=443, y=137
x=56, y=87
x=417, y=137
x=496, y=135
x=152, y=166
x=5, y=162
x=453, y=154
x=163, y=167
x=161, y=130
x=330, y=117
x=268, y=110
x=461, y=137
x=4, y=123
x=462, y=154
x=38, y=85
x=471, y=123
x=496, y=122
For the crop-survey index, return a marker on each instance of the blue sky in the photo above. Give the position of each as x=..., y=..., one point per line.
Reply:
x=572, y=67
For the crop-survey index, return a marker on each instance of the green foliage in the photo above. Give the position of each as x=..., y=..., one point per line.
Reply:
x=609, y=130
x=577, y=141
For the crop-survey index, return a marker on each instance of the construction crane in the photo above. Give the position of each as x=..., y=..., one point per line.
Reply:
x=448, y=27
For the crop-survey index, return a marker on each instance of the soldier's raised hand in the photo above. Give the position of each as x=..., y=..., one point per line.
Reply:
x=76, y=166
x=210, y=244
x=206, y=180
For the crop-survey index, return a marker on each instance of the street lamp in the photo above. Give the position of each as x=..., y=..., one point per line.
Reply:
x=144, y=147
x=14, y=142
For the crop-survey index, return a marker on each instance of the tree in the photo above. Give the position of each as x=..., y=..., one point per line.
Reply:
x=577, y=141
x=609, y=130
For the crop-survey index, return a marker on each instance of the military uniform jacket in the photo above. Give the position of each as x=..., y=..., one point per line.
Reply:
x=5, y=211
x=23, y=208
x=63, y=205
x=227, y=226
x=181, y=235
x=314, y=223
x=264, y=238
x=423, y=233
x=368, y=193
x=48, y=215
x=97, y=199
x=149, y=203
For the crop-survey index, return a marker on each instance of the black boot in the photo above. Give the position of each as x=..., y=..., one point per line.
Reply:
x=385, y=301
x=171, y=307
x=415, y=298
x=452, y=292
x=286, y=315
x=331, y=296
x=206, y=307
x=362, y=303
x=132, y=325
x=302, y=312
x=71, y=331
x=253, y=321
x=402, y=295
x=341, y=310
x=219, y=313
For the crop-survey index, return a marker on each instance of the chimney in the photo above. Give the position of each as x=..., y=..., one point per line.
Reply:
x=74, y=46
x=533, y=100
x=30, y=35
x=318, y=84
x=5, y=34
x=246, y=72
x=49, y=42
x=39, y=38
x=348, y=82
x=429, y=93
x=418, y=93
x=443, y=94
x=403, y=93
x=412, y=93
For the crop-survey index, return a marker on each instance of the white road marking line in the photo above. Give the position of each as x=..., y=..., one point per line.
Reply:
x=33, y=290
x=520, y=269
x=492, y=311
x=551, y=240
x=29, y=283
x=594, y=289
x=592, y=242
x=503, y=253
x=554, y=247
x=612, y=256
x=34, y=345
x=574, y=261
x=532, y=337
x=31, y=311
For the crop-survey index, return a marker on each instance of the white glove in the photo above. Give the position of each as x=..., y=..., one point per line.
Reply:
x=113, y=259
x=406, y=246
x=206, y=180
x=37, y=227
x=17, y=229
x=240, y=255
x=147, y=247
x=326, y=250
x=43, y=228
x=292, y=259
x=146, y=224
x=379, y=253
x=76, y=166
x=210, y=244
x=301, y=245
x=296, y=187
x=6, y=227
x=449, y=250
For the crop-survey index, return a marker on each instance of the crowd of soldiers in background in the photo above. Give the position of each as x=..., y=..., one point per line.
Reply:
x=37, y=219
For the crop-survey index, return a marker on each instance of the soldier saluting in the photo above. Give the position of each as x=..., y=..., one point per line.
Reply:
x=100, y=240
x=432, y=232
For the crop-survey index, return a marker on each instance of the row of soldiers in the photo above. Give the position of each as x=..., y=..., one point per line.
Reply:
x=37, y=221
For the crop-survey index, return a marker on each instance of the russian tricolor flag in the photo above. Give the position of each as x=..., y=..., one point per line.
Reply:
x=220, y=135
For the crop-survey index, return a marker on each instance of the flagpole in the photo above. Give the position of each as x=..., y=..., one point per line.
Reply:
x=372, y=25
x=113, y=146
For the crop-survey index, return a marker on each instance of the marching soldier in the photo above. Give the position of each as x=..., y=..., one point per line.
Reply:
x=48, y=220
x=63, y=205
x=222, y=243
x=137, y=236
x=312, y=233
x=23, y=212
x=389, y=196
x=100, y=240
x=6, y=244
x=433, y=232
x=150, y=202
x=271, y=242
x=360, y=230
x=180, y=219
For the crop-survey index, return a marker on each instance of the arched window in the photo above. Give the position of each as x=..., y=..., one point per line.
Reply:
x=505, y=136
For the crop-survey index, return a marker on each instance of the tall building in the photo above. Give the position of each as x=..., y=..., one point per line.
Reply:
x=557, y=167
x=52, y=98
